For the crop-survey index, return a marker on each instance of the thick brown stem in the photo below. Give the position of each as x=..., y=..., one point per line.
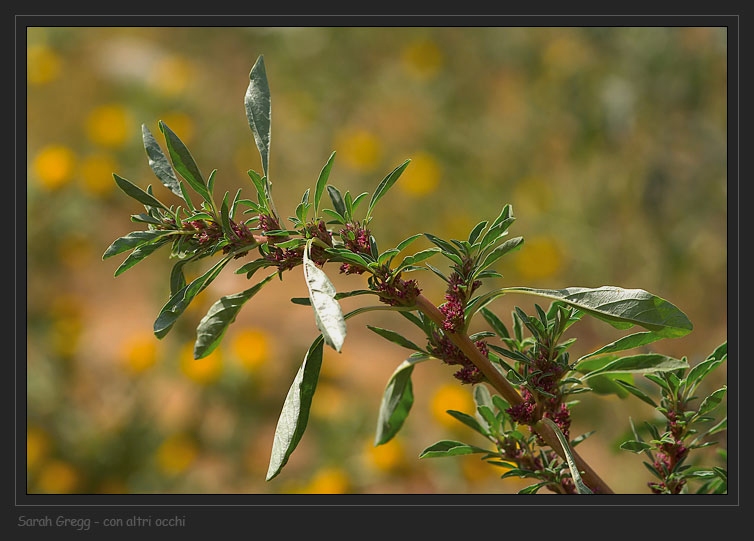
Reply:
x=507, y=391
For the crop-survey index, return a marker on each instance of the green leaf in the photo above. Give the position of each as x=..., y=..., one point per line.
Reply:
x=469, y=421
x=395, y=338
x=495, y=322
x=137, y=193
x=638, y=364
x=221, y=314
x=181, y=299
x=581, y=488
x=637, y=392
x=405, y=243
x=134, y=240
x=259, y=110
x=418, y=257
x=385, y=185
x=397, y=400
x=184, y=163
x=225, y=218
x=337, y=201
x=478, y=228
x=506, y=247
x=482, y=396
x=295, y=413
x=635, y=446
x=327, y=312
x=495, y=232
x=251, y=267
x=620, y=307
x=712, y=401
x=139, y=253
x=450, y=448
x=159, y=163
x=324, y=174
x=700, y=371
x=627, y=342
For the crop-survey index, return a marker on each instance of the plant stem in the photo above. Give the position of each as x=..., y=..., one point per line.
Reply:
x=509, y=393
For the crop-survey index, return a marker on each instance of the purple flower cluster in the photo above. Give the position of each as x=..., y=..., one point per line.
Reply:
x=206, y=231
x=544, y=375
x=444, y=349
x=456, y=297
x=396, y=291
x=669, y=456
x=319, y=231
x=355, y=238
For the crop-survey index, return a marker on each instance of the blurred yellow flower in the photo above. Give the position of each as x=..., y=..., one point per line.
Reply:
x=387, y=457
x=329, y=480
x=451, y=396
x=359, y=148
x=139, y=352
x=176, y=454
x=422, y=59
x=539, y=257
x=97, y=174
x=58, y=477
x=179, y=123
x=109, y=125
x=37, y=446
x=251, y=347
x=421, y=177
x=171, y=75
x=54, y=166
x=329, y=401
x=206, y=370
x=43, y=65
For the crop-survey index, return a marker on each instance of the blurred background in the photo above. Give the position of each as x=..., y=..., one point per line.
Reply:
x=610, y=144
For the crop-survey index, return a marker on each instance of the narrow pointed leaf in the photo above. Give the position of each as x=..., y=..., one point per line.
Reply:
x=508, y=246
x=295, y=413
x=134, y=240
x=221, y=314
x=258, y=110
x=137, y=193
x=712, y=401
x=620, y=307
x=469, y=421
x=159, y=163
x=397, y=399
x=177, y=304
x=581, y=488
x=639, y=364
x=139, y=253
x=385, y=185
x=496, y=323
x=626, y=342
x=636, y=392
x=184, y=163
x=319, y=189
x=395, y=338
x=450, y=448
x=337, y=201
x=327, y=312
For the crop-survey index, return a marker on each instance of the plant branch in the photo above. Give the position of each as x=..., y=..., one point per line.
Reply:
x=507, y=391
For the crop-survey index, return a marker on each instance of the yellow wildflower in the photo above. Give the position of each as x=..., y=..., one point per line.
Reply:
x=109, y=125
x=206, y=370
x=54, y=166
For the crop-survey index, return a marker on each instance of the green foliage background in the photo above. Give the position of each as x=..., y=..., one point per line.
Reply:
x=610, y=143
